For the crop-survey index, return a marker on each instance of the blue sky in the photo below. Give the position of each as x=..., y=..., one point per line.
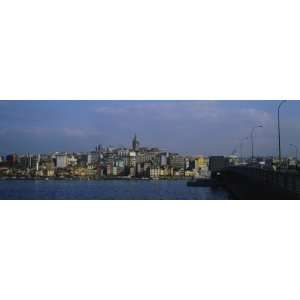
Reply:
x=187, y=127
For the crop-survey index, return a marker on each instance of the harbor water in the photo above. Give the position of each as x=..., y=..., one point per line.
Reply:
x=106, y=189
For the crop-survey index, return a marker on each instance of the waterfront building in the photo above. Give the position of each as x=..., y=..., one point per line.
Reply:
x=132, y=171
x=71, y=160
x=163, y=159
x=179, y=173
x=93, y=157
x=49, y=172
x=80, y=171
x=139, y=170
x=82, y=160
x=201, y=162
x=132, y=159
x=61, y=160
x=187, y=163
x=164, y=172
x=36, y=162
x=120, y=171
x=154, y=172
x=109, y=170
x=114, y=171
x=189, y=173
x=101, y=172
x=146, y=169
x=49, y=165
x=140, y=158
x=177, y=161
x=25, y=162
x=120, y=163
x=91, y=172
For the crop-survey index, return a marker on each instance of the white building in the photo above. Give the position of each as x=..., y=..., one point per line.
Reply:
x=93, y=157
x=132, y=158
x=61, y=160
x=71, y=160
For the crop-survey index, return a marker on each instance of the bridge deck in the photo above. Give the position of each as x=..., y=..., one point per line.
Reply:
x=285, y=182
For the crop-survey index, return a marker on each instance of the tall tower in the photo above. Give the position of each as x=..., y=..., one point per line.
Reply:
x=135, y=144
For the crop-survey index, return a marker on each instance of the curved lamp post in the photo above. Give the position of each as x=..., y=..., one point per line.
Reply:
x=278, y=121
x=252, y=142
x=292, y=145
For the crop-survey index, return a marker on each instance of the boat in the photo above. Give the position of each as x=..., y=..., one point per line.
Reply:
x=201, y=182
x=202, y=179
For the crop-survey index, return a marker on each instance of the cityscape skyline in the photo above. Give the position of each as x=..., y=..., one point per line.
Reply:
x=185, y=127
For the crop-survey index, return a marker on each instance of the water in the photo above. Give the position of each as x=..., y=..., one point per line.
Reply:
x=106, y=189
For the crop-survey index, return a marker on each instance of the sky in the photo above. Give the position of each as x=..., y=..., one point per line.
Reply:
x=185, y=127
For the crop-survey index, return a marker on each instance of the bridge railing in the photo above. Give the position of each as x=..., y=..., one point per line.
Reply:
x=285, y=180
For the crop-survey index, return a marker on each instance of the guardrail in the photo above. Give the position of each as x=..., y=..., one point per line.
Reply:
x=285, y=180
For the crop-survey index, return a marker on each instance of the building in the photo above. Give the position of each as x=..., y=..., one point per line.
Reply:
x=61, y=160
x=189, y=173
x=201, y=162
x=154, y=172
x=132, y=171
x=114, y=171
x=163, y=159
x=25, y=161
x=132, y=159
x=120, y=163
x=93, y=157
x=82, y=160
x=139, y=170
x=217, y=163
x=109, y=170
x=71, y=160
x=122, y=152
x=177, y=162
x=233, y=160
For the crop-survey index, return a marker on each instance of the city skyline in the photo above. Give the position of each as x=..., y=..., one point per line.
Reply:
x=186, y=127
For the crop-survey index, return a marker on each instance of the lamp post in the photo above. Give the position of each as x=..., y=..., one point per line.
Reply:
x=292, y=145
x=278, y=121
x=252, y=142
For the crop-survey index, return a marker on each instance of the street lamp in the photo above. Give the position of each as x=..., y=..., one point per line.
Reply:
x=278, y=121
x=296, y=151
x=252, y=143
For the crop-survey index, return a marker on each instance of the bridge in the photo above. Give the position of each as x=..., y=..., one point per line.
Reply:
x=256, y=183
